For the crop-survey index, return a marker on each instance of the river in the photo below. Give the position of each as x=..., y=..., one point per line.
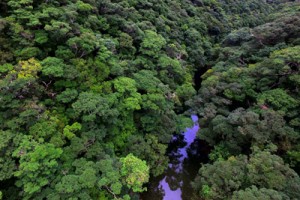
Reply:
x=186, y=153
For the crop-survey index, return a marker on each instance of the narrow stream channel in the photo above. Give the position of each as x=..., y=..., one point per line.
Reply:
x=185, y=160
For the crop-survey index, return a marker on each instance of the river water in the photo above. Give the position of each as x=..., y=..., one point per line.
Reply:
x=186, y=154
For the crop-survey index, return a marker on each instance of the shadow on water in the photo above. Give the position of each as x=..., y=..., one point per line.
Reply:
x=186, y=153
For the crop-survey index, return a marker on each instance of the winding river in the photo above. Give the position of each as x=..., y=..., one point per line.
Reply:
x=185, y=156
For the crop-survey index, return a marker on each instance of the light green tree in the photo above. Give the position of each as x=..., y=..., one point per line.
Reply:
x=135, y=172
x=38, y=163
x=152, y=43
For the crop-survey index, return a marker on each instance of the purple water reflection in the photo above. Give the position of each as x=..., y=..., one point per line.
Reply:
x=177, y=167
x=168, y=193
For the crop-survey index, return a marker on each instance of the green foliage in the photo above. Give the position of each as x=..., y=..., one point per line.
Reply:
x=5, y=68
x=279, y=99
x=185, y=92
x=206, y=191
x=236, y=37
x=250, y=97
x=135, y=171
x=85, y=85
x=255, y=193
x=150, y=150
x=37, y=165
x=222, y=174
x=28, y=69
x=7, y=163
x=126, y=87
x=52, y=66
x=110, y=176
x=266, y=174
x=83, y=6
x=219, y=153
x=83, y=45
x=152, y=43
x=67, y=96
x=69, y=130
x=91, y=105
x=43, y=130
x=41, y=37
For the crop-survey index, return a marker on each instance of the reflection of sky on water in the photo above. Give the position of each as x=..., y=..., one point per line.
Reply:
x=186, y=154
x=176, y=166
x=168, y=192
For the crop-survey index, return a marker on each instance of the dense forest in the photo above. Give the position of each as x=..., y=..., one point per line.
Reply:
x=92, y=91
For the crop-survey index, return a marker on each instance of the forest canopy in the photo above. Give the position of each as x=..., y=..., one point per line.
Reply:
x=91, y=92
